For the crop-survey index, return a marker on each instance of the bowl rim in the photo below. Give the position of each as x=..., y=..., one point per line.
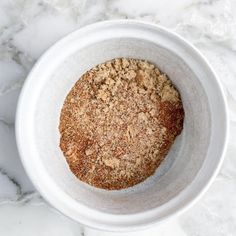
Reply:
x=112, y=225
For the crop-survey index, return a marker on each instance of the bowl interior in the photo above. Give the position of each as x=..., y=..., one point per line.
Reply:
x=194, y=156
x=185, y=158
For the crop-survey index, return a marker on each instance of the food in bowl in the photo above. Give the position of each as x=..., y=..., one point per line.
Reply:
x=118, y=123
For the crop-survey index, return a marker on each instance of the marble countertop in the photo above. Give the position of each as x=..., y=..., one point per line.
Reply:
x=29, y=27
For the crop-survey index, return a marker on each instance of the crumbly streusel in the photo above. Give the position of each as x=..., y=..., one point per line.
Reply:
x=118, y=123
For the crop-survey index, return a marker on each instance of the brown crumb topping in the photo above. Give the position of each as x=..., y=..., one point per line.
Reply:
x=118, y=123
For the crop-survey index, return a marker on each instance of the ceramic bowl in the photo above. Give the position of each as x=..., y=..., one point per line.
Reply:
x=193, y=160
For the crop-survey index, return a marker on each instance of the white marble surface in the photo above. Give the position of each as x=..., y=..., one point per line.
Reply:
x=29, y=27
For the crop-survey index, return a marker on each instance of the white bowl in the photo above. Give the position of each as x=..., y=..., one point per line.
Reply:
x=192, y=162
